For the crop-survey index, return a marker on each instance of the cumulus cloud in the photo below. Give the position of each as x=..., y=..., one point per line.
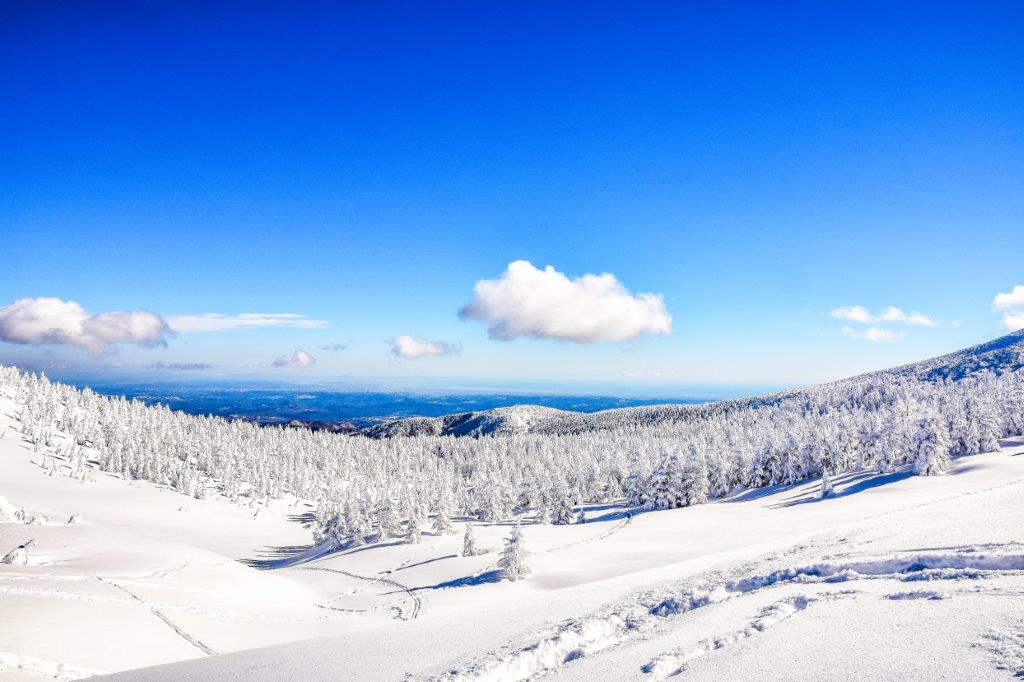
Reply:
x=299, y=358
x=216, y=322
x=874, y=334
x=859, y=314
x=55, y=321
x=853, y=313
x=334, y=347
x=545, y=304
x=184, y=366
x=406, y=346
x=1011, y=299
x=1014, y=321
x=1011, y=304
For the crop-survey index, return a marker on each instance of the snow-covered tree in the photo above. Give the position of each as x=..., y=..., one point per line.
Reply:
x=695, y=480
x=442, y=524
x=563, y=512
x=826, y=484
x=667, y=485
x=412, y=533
x=512, y=562
x=19, y=555
x=931, y=446
x=469, y=542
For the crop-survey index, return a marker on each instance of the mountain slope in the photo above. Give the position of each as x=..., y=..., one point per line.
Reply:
x=1005, y=354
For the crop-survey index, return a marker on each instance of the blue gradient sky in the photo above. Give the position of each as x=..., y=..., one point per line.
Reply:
x=367, y=166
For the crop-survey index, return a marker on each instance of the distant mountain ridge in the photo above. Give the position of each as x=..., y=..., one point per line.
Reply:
x=1005, y=354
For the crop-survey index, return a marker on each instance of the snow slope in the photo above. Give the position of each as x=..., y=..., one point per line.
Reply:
x=768, y=583
x=744, y=587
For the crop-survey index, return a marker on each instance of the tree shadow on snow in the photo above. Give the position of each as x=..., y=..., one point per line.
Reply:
x=427, y=561
x=465, y=581
x=758, y=493
x=844, y=485
x=272, y=557
x=617, y=515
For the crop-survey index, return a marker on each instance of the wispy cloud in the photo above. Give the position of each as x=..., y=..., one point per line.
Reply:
x=860, y=314
x=299, y=358
x=183, y=366
x=874, y=334
x=42, y=321
x=1011, y=305
x=546, y=304
x=216, y=322
x=406, y=346
x=334, y=347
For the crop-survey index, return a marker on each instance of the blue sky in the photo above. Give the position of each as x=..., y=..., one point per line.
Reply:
x=367, y=167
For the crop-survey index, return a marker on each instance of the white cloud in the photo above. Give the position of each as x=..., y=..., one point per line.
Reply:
x=55, y=321
x=299, y=358
x=874, y=334
x=1014, y=321
x=853, y=313
x=406, y=346
x=545, y=304
x=1011, y=304
x=859, y=314
x=216, y=322
x=1012, y=299
x=894, y=314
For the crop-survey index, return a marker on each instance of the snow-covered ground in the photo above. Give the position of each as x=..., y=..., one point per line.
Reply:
x=895, y=575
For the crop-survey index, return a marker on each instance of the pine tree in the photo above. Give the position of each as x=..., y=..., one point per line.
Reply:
x=387, y=524
x=563, y=512
x=442, y=524
x=412, y=533
x=512, y=562
x=19, y=555
x=667, y=485
x=695, y=481
x=931, y=446
x=826, y=483
x=469, y=542
x=989, y=428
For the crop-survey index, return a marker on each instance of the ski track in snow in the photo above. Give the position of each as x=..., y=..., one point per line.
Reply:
x=674, y=662
x=560, y=548
x=48, y=593
x=197, y=643
x=599, y=536
x=588, y=636
x=381, y=576
x=18, y=663
x=417, y=601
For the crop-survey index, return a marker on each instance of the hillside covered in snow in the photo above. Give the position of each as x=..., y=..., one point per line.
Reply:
x=801, y=535
x=1005, y=354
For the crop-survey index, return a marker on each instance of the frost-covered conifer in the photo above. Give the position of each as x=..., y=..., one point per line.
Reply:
x=695, y=480
x=543, y=512
x=19, y=555
x=931, y=445
x=442, y=524
x=826, y=484
x=563, y=512
x=412, y=533
x=667, y=485
x=469, y=542
x=512, y=562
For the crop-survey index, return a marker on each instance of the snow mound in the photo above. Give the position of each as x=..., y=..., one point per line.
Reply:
x=8, y=512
